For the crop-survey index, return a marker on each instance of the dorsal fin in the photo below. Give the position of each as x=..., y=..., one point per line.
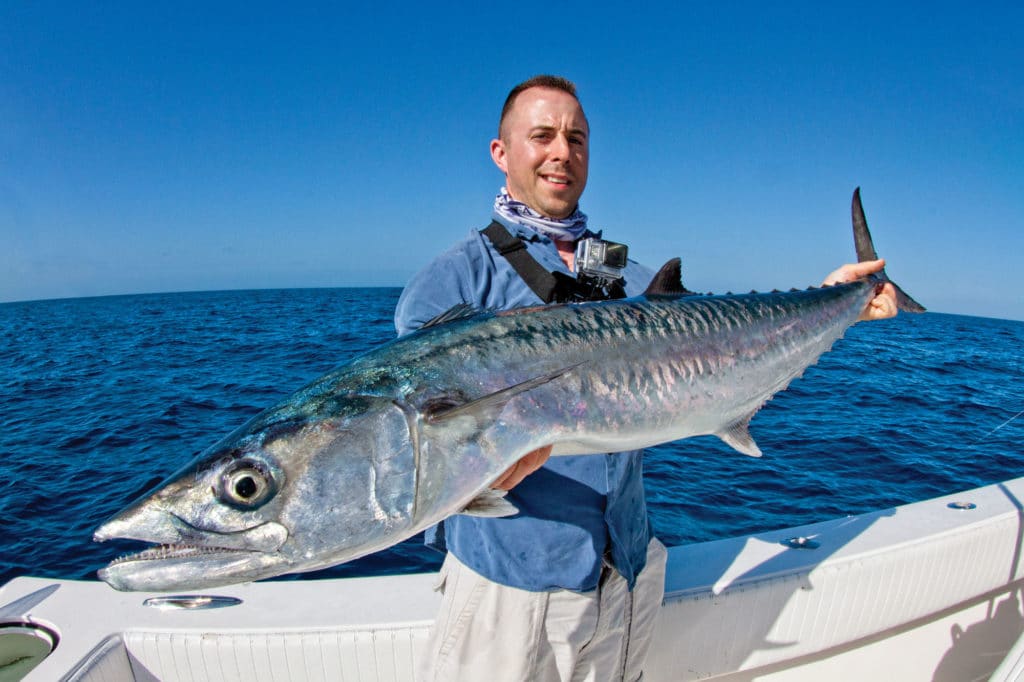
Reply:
x=459, y=311
x=668, y=282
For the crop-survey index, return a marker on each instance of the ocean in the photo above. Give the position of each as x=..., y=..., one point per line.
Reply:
x=102, y=398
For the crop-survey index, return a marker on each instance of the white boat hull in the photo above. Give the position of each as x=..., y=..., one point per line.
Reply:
x=919, y=592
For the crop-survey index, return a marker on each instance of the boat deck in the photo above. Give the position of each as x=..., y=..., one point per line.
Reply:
x=927, y=591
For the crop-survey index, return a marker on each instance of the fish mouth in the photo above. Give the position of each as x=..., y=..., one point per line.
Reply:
x=186, y=555
x=167, y=568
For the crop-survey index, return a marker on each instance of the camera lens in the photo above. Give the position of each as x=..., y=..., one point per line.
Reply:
x=615, y=255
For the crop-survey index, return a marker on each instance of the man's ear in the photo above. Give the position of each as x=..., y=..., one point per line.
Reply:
x=498, y=155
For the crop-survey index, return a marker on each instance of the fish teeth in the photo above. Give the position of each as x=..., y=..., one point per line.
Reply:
x=171, y=552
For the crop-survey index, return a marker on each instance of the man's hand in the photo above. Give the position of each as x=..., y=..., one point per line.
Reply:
x=882, y=305
x=529, y=463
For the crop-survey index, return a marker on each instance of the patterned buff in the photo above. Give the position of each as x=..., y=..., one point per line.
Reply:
x=566, y=230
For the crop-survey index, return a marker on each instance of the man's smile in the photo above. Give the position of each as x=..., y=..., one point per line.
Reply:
x=557, y=179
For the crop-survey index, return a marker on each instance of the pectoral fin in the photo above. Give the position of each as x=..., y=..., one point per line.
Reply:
x=489, y=405
x=737, y=436
x=490, y=504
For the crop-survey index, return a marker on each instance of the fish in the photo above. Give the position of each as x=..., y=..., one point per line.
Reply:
x=409, y=433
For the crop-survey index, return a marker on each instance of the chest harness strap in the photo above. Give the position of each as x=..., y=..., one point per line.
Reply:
x=556, y=287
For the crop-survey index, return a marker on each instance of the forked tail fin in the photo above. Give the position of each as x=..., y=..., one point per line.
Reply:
x=866, y=251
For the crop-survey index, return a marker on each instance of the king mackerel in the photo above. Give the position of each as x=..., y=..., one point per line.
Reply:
x=416, y=430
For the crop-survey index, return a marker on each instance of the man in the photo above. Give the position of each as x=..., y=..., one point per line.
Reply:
x=569, y=587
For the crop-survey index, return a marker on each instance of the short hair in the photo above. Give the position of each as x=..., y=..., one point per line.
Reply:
x=541, y=81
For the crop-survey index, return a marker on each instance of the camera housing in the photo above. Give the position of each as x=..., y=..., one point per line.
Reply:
x=600, y=258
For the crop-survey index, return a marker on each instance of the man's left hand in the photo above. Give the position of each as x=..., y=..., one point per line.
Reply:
x=883, y=305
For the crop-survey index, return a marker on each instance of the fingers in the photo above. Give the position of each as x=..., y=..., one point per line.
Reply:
x=881, y=306
x=526, y=465
x=852, y=271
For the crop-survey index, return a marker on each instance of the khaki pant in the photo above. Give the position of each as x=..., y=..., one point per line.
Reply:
x=492, y=633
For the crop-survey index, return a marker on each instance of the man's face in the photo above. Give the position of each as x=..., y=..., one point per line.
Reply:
x=543, y=151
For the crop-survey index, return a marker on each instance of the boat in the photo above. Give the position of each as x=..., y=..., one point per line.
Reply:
x=926, y=591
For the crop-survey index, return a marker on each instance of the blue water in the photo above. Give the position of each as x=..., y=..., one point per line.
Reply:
x=101, y=398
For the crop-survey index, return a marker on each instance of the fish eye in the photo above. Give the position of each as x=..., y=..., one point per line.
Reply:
x=246, y=484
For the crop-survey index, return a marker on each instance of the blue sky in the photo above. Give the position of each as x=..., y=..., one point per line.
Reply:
x=249, y=146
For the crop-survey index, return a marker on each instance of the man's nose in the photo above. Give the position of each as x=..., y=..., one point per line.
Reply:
x=559, y=149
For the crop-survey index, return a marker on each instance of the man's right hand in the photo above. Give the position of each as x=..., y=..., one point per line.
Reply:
x=529, y=463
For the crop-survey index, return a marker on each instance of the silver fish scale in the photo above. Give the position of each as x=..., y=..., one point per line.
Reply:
x=639, y=362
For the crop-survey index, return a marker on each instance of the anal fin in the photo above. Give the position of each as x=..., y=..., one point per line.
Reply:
x=737, y=436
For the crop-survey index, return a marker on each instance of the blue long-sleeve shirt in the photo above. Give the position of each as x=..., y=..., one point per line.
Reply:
x=575, y=509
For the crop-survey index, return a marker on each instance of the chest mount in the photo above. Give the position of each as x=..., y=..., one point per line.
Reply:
x=550, y=287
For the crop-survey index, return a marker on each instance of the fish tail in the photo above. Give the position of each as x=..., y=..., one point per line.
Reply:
x=866, y=251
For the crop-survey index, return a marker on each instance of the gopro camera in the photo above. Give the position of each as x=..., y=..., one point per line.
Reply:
x=600, y=259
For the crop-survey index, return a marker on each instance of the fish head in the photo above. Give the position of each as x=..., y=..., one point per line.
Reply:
x=288, y=492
